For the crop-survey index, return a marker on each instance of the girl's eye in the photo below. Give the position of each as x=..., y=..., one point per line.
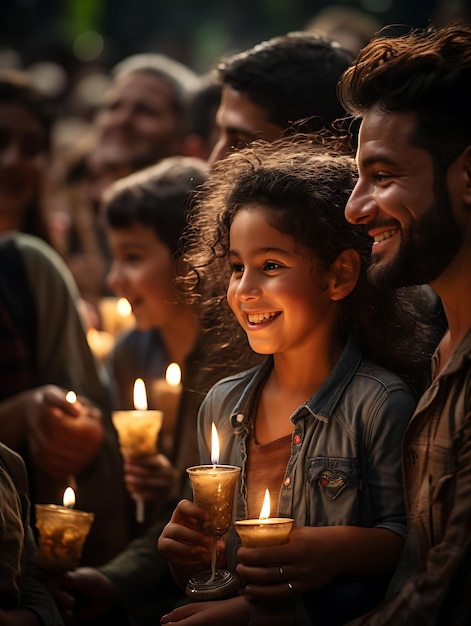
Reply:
x=132, y=258
x=271, y=265
x=237, y=268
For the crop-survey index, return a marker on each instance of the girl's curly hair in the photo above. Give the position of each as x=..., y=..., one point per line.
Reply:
x=304, y=183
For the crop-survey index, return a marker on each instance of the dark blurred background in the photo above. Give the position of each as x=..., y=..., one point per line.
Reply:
x=194, y=31
x=63, y=41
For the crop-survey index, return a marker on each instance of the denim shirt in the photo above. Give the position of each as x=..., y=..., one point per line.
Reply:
x=345, y=461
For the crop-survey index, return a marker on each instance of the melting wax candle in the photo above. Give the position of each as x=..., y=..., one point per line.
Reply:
x=138, y=431
x=265, y=531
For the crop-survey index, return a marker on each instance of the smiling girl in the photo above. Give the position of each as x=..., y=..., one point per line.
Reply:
x=320, y=422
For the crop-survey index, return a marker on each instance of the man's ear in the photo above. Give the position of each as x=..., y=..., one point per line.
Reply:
x=344, y=274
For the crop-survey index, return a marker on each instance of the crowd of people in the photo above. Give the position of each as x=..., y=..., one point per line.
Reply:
x=293, y=230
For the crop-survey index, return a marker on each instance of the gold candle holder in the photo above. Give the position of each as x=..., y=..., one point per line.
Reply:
x=213, y=491
x=62, y=534
x=266, y=531
x=263, y=533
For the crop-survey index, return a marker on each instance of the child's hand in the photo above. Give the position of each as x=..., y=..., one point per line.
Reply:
x=299, y=566
x=186, y=548
x=150, y=478
x=232, y=612
x=182, y=541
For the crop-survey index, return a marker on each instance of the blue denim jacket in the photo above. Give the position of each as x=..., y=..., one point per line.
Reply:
x=345, y=462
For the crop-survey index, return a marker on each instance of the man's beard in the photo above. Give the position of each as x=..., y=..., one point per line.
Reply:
x=426, y=248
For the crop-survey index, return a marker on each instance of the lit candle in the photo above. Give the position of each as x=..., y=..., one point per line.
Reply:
x=137, y=431
x=166, y=394
x=116, y=315
x=213, y=490
x=71, y=398
x=265, y=531
x=62, y=533
x=100, y=342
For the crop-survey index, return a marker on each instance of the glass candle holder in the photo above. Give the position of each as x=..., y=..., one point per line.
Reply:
x=213, y=491
x=62, y=533
x=263, y=533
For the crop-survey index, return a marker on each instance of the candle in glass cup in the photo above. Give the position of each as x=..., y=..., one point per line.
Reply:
x=266, y=531
x=213, y=490
x=138, y=431
x=62, y=534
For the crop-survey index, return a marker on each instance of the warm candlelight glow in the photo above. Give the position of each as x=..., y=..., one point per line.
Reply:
x=100, y=342
x=265, y=512
x=173, y=374
x=123, y=307
x=140, y=396
x=71, y=397
x=214, y=445
x=265, y=531
x=69, y=498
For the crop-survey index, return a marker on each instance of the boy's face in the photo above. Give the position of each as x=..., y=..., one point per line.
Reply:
x=240, y=122
x=142, y=271
x=411, y=215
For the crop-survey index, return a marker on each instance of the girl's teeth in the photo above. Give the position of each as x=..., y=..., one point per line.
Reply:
x=260, y=317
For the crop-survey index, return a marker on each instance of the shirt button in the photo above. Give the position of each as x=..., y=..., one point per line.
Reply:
x=297, y=439
x=287, y=481
x=240, y=418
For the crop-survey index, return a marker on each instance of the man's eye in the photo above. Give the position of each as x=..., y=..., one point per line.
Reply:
x=382, y=176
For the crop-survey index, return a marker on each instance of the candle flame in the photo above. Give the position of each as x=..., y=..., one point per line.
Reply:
x=214, y=445
x=173, y=374
x=140, y=396
x=265, y=512
x=69, y=498
x=123, y=307
x=71, y=397
x=93, y=336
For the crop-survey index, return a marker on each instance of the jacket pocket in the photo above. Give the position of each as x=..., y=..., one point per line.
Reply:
x=333, y=486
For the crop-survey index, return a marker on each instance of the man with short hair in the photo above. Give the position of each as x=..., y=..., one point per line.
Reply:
x=278, y=82
x=145, y=114
x=414, y=196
